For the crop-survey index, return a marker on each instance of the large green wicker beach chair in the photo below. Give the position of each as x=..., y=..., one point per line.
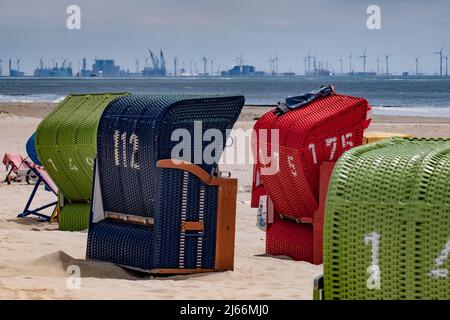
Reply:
x=66, y=146
x=387, y=222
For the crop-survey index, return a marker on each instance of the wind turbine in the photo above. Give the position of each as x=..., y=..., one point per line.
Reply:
x=305, y=60
x=239, y=60
x=18, y=64
x=1, y=68
x=440, y=59
x=41, y=63
x=136, y=62
x=175, y=62
x=275, y=60
x=341, y=61
x=378, y=66
x=417, y=66
x=205, y=62
x=387, y=64
x=308, y=58
x=364, y=56
x=350, y=69
x=446, y=66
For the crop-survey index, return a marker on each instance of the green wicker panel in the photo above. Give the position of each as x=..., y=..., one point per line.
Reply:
x=388, y=209
x=74, y=217
x=66, y=142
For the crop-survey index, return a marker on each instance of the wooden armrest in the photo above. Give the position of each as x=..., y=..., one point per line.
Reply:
x=191, y=168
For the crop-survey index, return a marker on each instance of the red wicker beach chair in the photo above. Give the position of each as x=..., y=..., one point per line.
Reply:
x=312, y=129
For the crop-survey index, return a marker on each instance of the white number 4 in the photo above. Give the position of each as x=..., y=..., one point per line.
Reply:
x=438, y=271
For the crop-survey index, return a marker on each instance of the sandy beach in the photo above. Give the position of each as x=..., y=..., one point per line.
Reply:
x=35, y=255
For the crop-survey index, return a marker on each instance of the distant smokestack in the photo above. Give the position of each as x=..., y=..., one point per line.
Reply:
x=84, y=63
x=10, y=64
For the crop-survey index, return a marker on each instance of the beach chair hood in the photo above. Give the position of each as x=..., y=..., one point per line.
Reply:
x=136, y=131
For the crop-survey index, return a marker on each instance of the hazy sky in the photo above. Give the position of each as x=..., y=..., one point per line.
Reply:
x=224, y=29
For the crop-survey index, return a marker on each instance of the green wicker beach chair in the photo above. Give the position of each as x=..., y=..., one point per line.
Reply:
x=66, y=146
x=387, y=222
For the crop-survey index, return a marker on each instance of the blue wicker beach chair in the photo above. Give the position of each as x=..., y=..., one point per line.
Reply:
x=150, y=212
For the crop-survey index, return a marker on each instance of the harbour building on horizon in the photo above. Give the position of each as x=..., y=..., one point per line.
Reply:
x=105, y=68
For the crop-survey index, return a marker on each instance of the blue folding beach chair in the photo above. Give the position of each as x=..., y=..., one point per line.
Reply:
x=150, y=211
x=42, y=176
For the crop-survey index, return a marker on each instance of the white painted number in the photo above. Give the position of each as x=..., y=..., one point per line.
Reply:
x=345, y=138
x=374, y=280
x=72, y=166
x=53, y=164
x=333, y=143
x=90, y=161
x=134, y=141
x=123, y=137
x=312, y=147
x=290, y=160
x=438, y=271
x=116, y=148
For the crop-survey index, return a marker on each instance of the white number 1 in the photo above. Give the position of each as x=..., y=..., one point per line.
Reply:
x=312, y=147
x=374, y=280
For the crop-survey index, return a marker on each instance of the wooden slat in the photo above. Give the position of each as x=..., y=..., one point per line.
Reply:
x=129, y=218
x=192, y=226
x=179, y=271
x=226, y=224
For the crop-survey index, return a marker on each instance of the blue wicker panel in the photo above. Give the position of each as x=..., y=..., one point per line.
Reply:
x=168, y=220
x=152, y=118
x=121, y=243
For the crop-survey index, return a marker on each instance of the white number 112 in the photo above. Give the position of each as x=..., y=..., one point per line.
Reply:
x=134, y=141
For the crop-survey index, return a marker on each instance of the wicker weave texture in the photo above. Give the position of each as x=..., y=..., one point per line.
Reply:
x=66, y=142
x=121, y=243
x=387, y=222
x=287, y=238
x=136, y=131
x=163, y=245
x=74, y=217
x=199, y=202
x=308, y=136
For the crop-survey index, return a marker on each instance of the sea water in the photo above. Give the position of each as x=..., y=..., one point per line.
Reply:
x=426, y=96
